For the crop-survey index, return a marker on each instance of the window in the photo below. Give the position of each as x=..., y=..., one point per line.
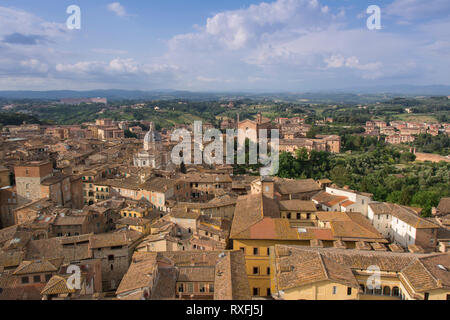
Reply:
x=180, y=287
x=289, y=215
x=256, y=291
x=255, y=270
x=25, y=280
x=202, y=287
x=427, y=296
x=48, y=277
x=190, y=287
x=36, y=279
x=268, y=251
x=269, y=293
x=243, y=250
x=299, y=216
x=268, y=270
x=334, y=290
x=111, y=258
x=255, y=251
x=211, y=288
x=349, y=291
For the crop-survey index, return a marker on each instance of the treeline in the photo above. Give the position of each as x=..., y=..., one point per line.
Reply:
x=15, y=119
x=385, y=172
x=427, y=143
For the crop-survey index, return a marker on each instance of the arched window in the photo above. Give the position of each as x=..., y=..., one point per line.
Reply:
x=378, y=291
x=395, y=292
x=386, y=291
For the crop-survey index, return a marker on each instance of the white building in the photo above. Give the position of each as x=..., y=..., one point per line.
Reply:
x=403, y=225
x=152, y=155
x=345, y=200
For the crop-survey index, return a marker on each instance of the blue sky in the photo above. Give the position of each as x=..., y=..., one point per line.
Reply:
x=198, y=45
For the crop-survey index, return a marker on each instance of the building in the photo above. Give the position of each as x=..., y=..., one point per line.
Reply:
x=330, y=144
x=216, y=275
x=403, y=225
x=343, y=200
x=4, y=177
x=336, y=274
x=152, y=155
x=29, y=178
x=115, y=251
x=261, y=221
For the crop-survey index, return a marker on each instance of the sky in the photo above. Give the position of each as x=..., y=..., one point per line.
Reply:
x=227, y=45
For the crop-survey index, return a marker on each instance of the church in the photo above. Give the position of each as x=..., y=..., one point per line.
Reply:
x=152, y=155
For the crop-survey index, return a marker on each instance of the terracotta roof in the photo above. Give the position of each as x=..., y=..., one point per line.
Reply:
x=230, y=282
x=302, y=268
x=57, y=285
x=429, y=273
x=286, y=186
x=297, y=205
x=39, y=266
x=140, y=273
x=444, y=206
x=329, y=199
x=112, y=239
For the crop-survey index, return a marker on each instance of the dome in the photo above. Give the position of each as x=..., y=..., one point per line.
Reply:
x=152, y=136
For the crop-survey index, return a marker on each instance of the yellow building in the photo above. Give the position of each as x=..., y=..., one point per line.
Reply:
x=301, y=273
x=141, y=225
x=260, y=222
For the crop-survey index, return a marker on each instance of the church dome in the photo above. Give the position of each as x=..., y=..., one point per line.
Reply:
x=152, y=136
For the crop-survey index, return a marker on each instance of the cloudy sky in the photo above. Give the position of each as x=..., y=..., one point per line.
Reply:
x=226, y=45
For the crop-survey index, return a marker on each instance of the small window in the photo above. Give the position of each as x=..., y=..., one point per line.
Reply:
x=25, y=280
x=211, y=288
x=180, y=287
x=268, y=270
x=269, y=293
x=255, y=270
x=48, y=277
x=111, y=258
x=36, y=279
x=256, y=291
x=334, y=290
x=243, y=250
x=255, y=251
x=202, y=288
x=427, y=296
x=349, y=291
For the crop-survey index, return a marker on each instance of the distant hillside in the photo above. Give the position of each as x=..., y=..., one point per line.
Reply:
x=346, y=95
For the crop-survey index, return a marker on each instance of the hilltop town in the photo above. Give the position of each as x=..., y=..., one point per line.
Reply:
x=105, y=197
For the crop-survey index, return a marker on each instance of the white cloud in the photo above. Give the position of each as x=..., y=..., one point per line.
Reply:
x=117, y=8
x=417, y=9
